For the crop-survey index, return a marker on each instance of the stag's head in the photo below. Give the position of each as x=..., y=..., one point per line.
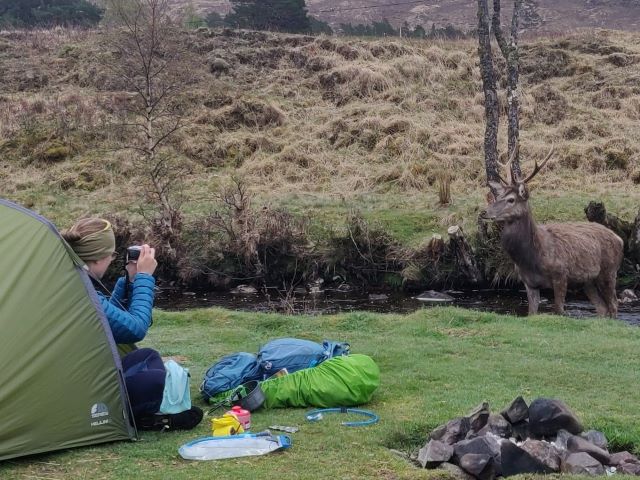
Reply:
x=511, y=198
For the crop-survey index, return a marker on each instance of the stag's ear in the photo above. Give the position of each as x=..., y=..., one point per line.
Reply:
x=496, y=187
x=522, y=191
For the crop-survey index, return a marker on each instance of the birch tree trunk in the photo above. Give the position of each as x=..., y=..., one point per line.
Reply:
x=492, y=113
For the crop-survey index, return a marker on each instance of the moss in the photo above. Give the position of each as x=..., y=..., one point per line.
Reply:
x=69, y=51
x=56, y=153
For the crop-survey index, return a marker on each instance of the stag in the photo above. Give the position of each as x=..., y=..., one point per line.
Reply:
x=554, y=255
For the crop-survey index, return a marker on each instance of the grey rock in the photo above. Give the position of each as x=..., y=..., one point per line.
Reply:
x=582, y=464
x=218, y=66
x=520, y=430
x=435, y=297
x=438, y=432
x=471, y=434
x=577, y=444
x=629, y=468
x=545, y=452
x=479, y=465
x=244, y=290
x=561, y=439
x=596, y=437
x=517, y=411
x=434, y=453
x=401, y=454
x=456, y=471
x=628, y=296
x=485, y=445
x=344, y=287
x=516, y=460
x=547, y=416
x=497, y=425
x=478, y=416
x=378, y=297
x=622, y=457
x=454, y=431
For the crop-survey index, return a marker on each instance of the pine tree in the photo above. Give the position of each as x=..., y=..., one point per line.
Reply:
x=276, y=15
x=45, y=13
x=214, y=20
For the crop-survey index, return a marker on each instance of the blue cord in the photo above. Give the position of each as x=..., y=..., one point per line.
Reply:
x=316, y=415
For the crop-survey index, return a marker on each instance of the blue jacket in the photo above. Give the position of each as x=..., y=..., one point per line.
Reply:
x=131, y=318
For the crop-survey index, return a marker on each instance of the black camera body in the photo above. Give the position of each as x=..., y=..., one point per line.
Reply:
x=133, y=253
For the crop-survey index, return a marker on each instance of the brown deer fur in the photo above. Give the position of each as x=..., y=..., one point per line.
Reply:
x=556, y=255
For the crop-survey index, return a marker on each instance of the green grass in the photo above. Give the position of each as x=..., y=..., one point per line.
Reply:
x=435, y=364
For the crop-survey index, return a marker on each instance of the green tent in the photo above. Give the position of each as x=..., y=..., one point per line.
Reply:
x=61, y=382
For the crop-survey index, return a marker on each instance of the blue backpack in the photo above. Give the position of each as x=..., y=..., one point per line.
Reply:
x=336, y=349
x=295, y=354
x=229, y=372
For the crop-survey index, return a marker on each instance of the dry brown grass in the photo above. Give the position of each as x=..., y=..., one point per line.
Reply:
x=326, y=115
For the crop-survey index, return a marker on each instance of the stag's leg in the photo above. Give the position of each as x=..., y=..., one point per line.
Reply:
x=595, y=298
x=607, y=287
x=533, y=296
x=559, y=293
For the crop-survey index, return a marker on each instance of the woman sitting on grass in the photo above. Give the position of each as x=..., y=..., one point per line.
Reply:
x=129, y=313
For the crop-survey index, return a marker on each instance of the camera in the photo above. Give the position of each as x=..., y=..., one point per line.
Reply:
x=133, y=253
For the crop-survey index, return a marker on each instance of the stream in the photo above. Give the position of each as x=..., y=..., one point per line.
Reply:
x=329, y=301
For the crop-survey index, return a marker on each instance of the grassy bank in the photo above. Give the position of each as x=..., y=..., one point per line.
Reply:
x=318, y=127
x=435, y=364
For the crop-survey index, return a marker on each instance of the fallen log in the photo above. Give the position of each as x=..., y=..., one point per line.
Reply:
x=463, y=253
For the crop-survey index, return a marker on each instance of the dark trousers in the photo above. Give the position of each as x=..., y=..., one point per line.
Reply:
x=144, y=375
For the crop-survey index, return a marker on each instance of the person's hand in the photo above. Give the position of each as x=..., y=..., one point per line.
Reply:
x=147, y=260
x=132, y=269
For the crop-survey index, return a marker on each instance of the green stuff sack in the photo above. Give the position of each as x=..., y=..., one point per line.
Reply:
x=338, y=382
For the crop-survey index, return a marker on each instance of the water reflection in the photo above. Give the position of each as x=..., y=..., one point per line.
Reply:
x=333, y=301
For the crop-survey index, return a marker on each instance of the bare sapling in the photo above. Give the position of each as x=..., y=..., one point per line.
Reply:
x=555, y=255
x=147, y=56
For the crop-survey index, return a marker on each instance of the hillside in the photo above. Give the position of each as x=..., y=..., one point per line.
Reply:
x=321, y=126
x=540, y=17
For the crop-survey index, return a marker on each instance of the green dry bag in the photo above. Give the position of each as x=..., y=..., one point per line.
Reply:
x=338, y=382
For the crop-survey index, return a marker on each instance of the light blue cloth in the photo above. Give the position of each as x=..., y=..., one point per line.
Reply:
x=176, y=396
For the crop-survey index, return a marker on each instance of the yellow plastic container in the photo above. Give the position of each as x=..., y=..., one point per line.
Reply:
x=225, y=425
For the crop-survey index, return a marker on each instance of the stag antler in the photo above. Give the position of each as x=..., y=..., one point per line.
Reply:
x=537, y=167
x=507, y=165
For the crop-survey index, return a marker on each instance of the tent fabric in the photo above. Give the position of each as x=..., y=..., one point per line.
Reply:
x=343, y=381
x=61, y=378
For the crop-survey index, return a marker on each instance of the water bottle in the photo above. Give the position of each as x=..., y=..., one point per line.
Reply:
x=243, y=416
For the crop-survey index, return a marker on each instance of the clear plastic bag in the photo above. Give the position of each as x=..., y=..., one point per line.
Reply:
x=244, y=445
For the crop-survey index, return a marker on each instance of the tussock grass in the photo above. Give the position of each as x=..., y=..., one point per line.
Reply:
x=333, y=117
